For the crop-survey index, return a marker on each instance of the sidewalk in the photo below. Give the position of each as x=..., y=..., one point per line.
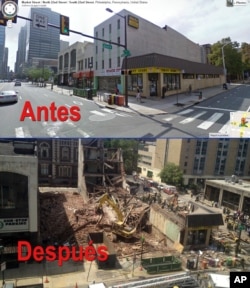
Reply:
x=153, y=105
x=169, y=104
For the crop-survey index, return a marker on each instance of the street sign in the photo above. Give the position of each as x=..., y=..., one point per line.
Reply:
x=40, y=21
x=126, y=53
x=3, y=266
x=107, y=46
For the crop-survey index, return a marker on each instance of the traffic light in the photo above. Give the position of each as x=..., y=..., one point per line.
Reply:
x=64, y=25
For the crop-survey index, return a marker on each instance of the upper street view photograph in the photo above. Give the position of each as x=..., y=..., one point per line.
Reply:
x=96, y=213
x=124, y=69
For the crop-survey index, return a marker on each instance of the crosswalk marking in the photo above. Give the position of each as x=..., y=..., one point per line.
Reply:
x=109, y=112
x=97, y=113
x=207, y=124
x=191, y=119
x=22, y=132
x=185, y=111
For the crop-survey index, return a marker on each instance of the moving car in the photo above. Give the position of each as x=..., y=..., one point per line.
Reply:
x=8, y=96
x=18, y=83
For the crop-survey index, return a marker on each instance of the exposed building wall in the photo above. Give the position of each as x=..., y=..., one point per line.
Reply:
x=27, y=166
x=164, y=224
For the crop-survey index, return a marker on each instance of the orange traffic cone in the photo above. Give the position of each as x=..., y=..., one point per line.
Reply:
x=46, y=280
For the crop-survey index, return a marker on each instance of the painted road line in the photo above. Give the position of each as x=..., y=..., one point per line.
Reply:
x=19, y=132
x=191, y=119
x=185, y=111
x=214, y=108
x=206, y=124
x=168, y=119
x=98, y=113
x=22, y=132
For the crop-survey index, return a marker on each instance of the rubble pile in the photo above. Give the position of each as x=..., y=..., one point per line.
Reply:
x=66, y=219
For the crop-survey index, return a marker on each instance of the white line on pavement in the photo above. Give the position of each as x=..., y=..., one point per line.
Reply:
x=191, y=119
x=98, y=113
x=214, y=108
x=206, y=124
x=185, y=111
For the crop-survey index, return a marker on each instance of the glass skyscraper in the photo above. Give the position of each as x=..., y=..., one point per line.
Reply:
x=2, y=46
x=42, y=43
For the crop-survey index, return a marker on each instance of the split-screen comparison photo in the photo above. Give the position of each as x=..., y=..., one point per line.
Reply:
x=124, y=144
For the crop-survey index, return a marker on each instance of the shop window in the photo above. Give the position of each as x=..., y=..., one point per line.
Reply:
x=171, y=81
x=44, y=150
x=134, y=81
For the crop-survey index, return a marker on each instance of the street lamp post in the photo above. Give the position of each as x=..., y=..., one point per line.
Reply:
x=125, y=56
x=223, y=60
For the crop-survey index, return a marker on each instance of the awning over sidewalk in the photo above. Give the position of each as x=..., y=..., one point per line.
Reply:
x=159, y=61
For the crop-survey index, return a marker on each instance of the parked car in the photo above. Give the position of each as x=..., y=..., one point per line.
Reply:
x=8, y=96
x=18, y=83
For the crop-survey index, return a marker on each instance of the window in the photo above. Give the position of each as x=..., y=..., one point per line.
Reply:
x=110, y=29
x=96, y=49
x=65, y=153
x=44, y=150
x=102, y=64
x=135, y=81
x=118, y=24
x=118, y=61
x=110, y=63
x=171, y=81
x=118, y=40
x=44, y=169
x=64, y=171
x=102, y=32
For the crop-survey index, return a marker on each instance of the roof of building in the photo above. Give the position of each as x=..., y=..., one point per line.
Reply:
x=204, y=219
x=230, y=182
x=159, y=60
x=9, y=147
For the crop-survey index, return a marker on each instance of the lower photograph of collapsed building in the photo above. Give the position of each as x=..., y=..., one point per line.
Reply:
x=123, y=212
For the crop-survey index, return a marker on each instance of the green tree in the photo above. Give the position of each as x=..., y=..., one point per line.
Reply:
x=38, y=73
x=171, y=174
x=232, y=57
x=129, y=151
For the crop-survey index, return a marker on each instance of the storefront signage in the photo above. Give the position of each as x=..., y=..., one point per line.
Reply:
x=155, y=70
x=133, y=21
x=113, y=71
x=14, y=224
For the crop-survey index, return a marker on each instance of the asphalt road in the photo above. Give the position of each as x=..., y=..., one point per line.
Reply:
x=210, y=116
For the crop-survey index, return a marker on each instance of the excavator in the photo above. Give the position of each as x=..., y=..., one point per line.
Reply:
x=119, y=227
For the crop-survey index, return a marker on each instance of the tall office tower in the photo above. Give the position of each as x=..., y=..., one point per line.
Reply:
x=5, y=63
x=42, y=43
x=21, y=50
x=2, y=46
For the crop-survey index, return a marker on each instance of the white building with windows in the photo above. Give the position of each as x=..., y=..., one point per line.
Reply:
x=145, y=38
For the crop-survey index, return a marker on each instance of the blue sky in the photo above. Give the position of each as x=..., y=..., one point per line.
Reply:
x=202, y=21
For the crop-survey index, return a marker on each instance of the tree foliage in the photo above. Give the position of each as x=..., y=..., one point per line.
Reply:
x=171, y=174
x=36, y=74
x=232, y=57
x=129, y=151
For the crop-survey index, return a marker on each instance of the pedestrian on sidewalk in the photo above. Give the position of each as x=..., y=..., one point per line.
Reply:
x=138, y=95
x=164, y=90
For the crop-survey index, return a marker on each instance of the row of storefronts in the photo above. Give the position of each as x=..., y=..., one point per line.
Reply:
x=165, y=76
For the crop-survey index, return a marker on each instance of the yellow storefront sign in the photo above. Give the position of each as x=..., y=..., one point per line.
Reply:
x=155, y=70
